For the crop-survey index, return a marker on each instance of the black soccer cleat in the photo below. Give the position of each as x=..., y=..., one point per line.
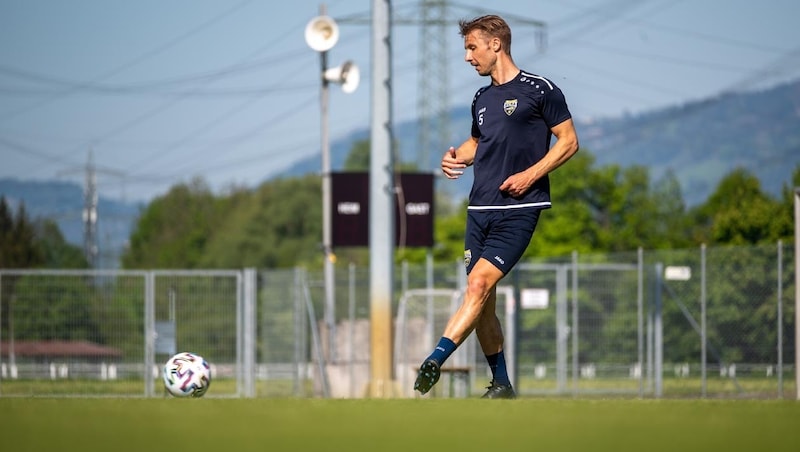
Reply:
x=427, y=376
x=496, y=391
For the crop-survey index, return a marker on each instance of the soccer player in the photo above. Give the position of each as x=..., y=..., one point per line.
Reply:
x=513, y=121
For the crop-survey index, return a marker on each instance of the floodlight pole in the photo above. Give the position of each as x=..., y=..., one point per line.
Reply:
x=321, y=35
x=797, y=292
x=382, y=205
x=327, y=246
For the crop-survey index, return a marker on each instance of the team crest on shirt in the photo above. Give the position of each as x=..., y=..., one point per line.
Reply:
x=467, y=257
x=509, y=106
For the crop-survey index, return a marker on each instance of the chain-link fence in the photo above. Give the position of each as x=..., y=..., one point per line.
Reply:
x=705, y=322
x=714, y=322
x=107, y=333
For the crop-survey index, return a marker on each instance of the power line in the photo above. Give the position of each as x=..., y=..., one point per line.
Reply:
x=738, y=43
x=213, y=123
x=143, y=57
x=156, y=89
x=178, y=96
x=784, y=67
x=605, y=15
x=29, y=151
x=169, y=86
x=663, y=58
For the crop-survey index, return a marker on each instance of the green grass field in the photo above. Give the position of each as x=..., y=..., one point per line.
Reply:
x=532, y=424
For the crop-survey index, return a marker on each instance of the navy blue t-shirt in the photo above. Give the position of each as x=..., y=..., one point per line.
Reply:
x=512, y=123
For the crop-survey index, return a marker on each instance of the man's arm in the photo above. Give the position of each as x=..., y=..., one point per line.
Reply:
x=566, y=146
x=455, y=160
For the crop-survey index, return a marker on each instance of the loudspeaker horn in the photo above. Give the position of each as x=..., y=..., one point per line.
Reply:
x=322, y=33
x=347, y=75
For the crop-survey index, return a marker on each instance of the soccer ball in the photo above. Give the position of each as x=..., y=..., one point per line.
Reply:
x=187, y=375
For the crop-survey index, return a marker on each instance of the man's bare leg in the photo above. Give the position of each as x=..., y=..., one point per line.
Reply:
x=481, y=283
x=490, y=336
x=488, y=329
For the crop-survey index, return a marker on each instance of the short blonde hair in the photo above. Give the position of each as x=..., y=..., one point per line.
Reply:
x=491, y=25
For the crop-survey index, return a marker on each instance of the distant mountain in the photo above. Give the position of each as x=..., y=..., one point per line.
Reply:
x=63, y=202
x=700, y=142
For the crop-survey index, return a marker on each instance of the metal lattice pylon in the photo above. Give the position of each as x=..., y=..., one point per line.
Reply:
x=432, y=98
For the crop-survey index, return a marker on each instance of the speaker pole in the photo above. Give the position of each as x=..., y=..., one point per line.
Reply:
x=329, y=257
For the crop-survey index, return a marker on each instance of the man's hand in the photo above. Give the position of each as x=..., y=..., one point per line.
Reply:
x=452, y=167
x=517, y=184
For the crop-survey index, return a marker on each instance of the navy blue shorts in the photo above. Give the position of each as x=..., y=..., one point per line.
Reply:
x=499, y=236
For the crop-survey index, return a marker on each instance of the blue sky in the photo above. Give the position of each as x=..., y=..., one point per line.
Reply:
x=163, y=91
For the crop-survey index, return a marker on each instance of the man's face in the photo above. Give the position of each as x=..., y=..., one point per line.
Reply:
x=479, y=52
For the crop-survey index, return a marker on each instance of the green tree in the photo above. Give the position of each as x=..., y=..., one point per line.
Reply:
x=783, y=223
x=39, y=243
x=645, y=214
x=174, y=230
x=597, y=209
x=48, y=310
x=279, y=225
x=738, y=212
x=56, y=252
x=18, y=245
x=358, y=157
x=6, y=226
x=570, y=224
x=41, y=307
x=672, y=228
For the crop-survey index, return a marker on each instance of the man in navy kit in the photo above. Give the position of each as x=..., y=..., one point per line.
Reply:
x=513, y=121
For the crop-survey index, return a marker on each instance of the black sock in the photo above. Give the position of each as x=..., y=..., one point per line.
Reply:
x=443, y=350
x=497, y=363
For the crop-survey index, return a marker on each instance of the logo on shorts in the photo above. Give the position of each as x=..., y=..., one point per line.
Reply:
x=467, y=257
x=509, y=106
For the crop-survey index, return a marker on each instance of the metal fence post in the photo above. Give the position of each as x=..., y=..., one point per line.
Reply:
x=640, y=317
x=149, y=332
x=575, y=318
x=562, y=328
x=797, y=292
x=249, y=332
x=658, y=334
x=351, y=336
x=780, y=320
x=240, y=290
x=511, y=344
x=299, y=332
x=703, y=331
x=1, y=332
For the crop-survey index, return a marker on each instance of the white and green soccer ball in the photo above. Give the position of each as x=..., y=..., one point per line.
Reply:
x=187, y=375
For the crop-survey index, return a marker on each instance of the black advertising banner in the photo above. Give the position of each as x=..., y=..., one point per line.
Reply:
x=414, y=218
x=350, y=209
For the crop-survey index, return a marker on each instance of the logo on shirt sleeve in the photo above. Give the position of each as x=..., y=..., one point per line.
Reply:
x=509, y=106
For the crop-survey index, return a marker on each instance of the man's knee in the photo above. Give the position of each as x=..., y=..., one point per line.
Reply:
x=479, y=286
x=481, y=281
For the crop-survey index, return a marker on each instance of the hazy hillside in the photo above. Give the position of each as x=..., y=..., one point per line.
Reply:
x=700, y=142
x=63, y=202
